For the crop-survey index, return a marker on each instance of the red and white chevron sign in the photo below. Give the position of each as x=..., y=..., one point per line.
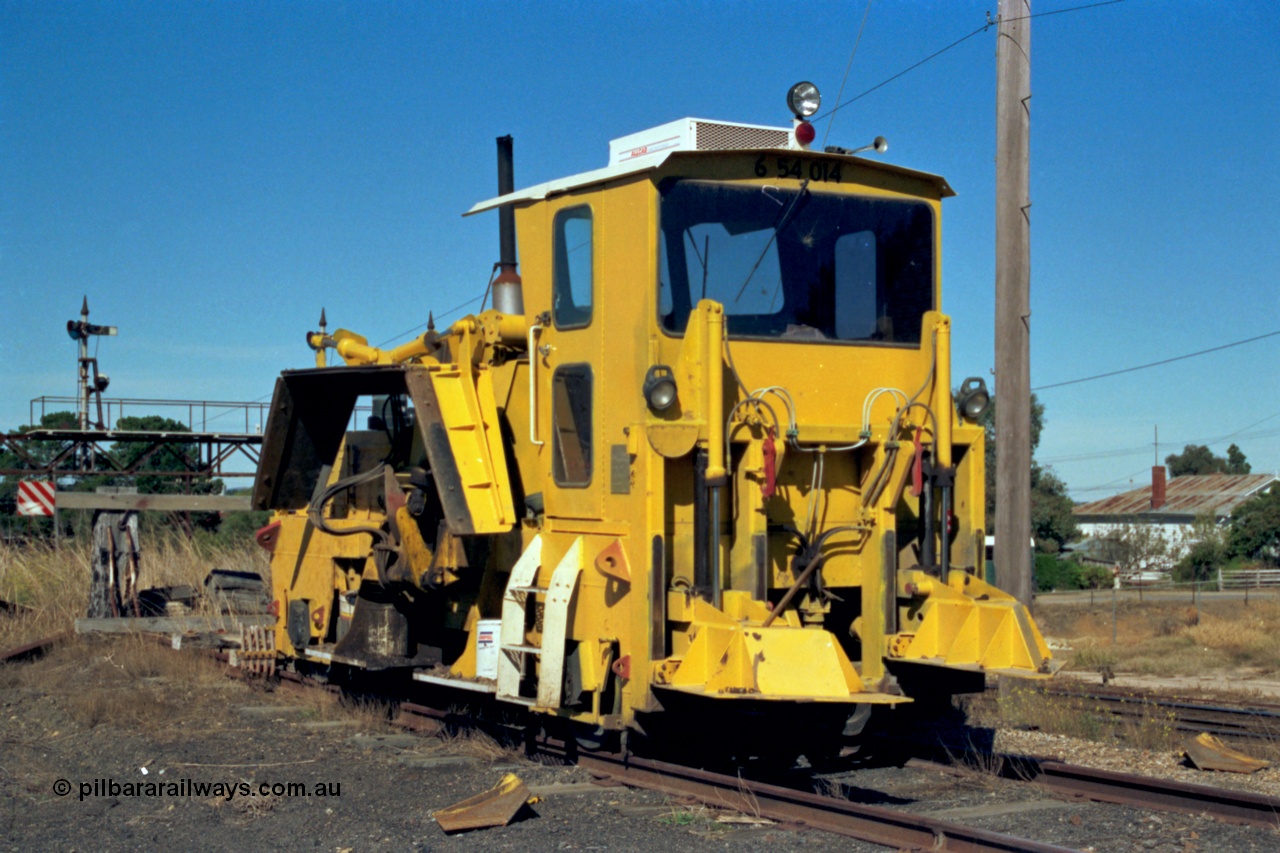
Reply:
x=35, y=497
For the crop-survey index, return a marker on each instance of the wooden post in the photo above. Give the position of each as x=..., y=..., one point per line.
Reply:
x=1114, y=610
x=113, y=587
x=1013, y=299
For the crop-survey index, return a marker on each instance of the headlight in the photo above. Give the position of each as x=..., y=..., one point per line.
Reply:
x=659, y=387
x=803, y=100
x=973, y=398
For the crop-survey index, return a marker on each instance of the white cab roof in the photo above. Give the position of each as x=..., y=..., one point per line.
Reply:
x=649, y=149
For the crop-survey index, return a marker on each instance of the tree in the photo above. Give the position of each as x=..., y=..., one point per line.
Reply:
x=1236, y=463
x=1199, y=459
x=1206, y=550
x=42, y=452
x=1254, y=528
x=1136, y=548
x=167, y=458
x=1052, y=522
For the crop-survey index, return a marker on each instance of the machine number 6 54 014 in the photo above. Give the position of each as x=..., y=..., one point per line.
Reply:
x=798, y=168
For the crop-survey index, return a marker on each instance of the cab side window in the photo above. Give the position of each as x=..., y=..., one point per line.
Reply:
x=571, y=425
x=572, y=278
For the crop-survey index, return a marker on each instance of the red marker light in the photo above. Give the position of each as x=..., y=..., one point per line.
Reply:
x=805, y=133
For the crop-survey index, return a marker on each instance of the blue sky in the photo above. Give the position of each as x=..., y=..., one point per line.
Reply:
x=211, y=174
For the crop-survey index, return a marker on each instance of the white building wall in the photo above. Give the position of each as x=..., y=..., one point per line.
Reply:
x=1178, y=536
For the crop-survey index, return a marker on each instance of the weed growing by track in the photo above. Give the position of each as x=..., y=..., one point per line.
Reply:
x=1027, y=707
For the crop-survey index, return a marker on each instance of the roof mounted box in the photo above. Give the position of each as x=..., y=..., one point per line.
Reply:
x=695, y=134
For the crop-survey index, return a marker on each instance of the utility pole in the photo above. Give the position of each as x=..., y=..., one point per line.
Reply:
x=1013, y=300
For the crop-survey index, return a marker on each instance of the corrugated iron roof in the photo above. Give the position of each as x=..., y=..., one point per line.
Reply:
x=1189, y=495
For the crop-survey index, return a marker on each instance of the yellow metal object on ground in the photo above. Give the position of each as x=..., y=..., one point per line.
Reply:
x=495, y=807
x=1206, y=752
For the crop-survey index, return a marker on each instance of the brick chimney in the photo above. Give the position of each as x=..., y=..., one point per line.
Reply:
x=1157, y=487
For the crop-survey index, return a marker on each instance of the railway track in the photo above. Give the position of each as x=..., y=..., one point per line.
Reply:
x=878, y=824
x=874, y=824
x=1144, y=792
x=906, y=830
x=1245, y=722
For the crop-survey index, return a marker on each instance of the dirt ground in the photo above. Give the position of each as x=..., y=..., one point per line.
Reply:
x=128, y=745
x=123, y=743
x=85, y=731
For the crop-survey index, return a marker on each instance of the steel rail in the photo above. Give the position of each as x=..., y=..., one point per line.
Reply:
x=874, y=824
x=1145, y=792
x=1257, y=722
x=878, y=825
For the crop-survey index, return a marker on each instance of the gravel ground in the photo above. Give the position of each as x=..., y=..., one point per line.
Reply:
x=1163, y=765
x=86, y=714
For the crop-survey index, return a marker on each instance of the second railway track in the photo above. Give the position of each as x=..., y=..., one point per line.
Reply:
x=1255, y=721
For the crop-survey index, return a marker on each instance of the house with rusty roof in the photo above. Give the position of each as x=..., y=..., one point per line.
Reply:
x=1171, y=506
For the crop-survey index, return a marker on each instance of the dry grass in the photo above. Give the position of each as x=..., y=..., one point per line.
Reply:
x=981, y=766
x=51, y=586
x=119, y=679
x=1025, y=706
x=361, y=712
x=476, y=744
x=1170, y=639
x=825, y=786
x=1152, y=728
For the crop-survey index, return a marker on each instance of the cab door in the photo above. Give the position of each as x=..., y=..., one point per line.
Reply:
x=569, y=365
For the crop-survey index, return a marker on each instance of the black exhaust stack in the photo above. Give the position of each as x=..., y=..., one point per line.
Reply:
x=508, y=296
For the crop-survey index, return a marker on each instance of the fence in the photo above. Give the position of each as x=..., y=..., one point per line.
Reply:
x=1243, y=587
x=1249, y=579
x=1240, y=587
x=201, y=415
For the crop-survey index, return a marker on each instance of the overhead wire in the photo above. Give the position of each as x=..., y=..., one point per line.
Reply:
x=1102, y=487
x=847, y=68
x=1157, y=363
x=1111, y=485
x=443, y=314
x=989, y=23
x=1146, y=448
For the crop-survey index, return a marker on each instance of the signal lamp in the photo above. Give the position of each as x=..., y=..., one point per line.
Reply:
x=659, y=387
x=805, y=133
x=804, y=99
x=973, y=398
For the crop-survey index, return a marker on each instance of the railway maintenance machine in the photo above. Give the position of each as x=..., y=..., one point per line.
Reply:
x=703, y=461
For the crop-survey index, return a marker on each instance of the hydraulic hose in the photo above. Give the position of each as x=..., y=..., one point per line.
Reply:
x=813, y=554
x=315, y=510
